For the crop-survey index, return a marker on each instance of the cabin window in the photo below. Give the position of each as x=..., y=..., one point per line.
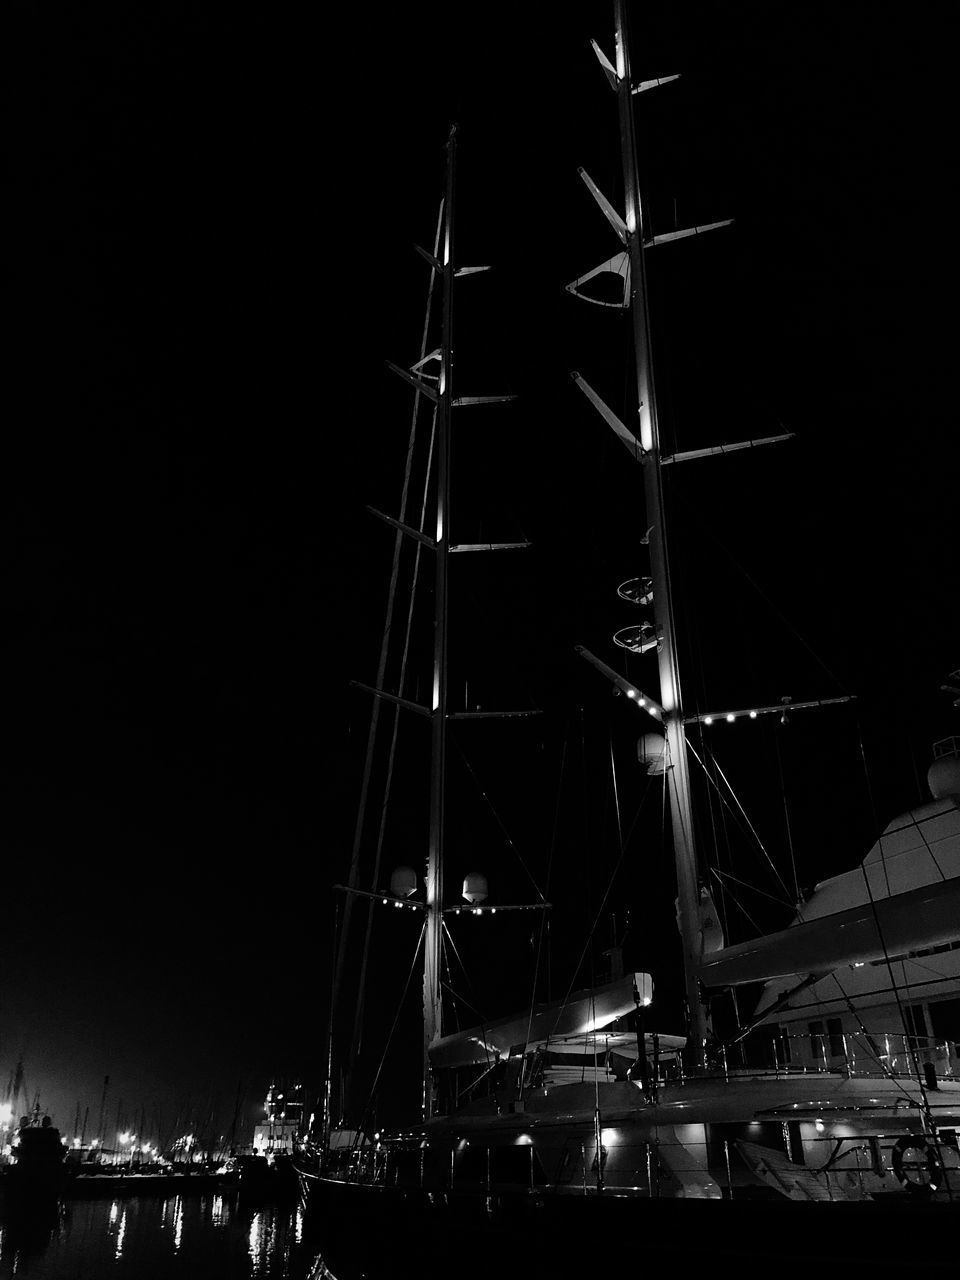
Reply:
x=945, y=1019
x=518, y=1165
x=816, y=1039
x=826, y=1039
x=781, y=1047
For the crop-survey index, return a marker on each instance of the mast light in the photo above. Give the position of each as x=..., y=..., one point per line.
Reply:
x=781, y=708
x=620, y=683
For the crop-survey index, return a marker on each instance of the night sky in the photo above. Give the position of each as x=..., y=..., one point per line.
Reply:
x=209, y=252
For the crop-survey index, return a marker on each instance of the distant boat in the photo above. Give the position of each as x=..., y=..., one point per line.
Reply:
x=267, y=1172
x=39, y=1171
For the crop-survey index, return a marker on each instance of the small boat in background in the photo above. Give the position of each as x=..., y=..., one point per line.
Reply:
x=39, y=1172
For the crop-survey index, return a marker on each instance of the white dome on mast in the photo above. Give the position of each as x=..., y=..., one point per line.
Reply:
x=943, y=776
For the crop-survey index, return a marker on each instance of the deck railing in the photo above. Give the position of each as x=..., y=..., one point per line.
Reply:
x=830, y=1161
x=858, y=1053
x=862, y=1054
x=854, y=1053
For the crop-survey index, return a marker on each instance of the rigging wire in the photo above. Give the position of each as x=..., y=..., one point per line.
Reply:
x=603, y=903
x=873, y=1049
x=710, y=532
x=381, y=671
x=724, y=914
x=616, y=794
x=445, y=958
x=545, y=915
x=463, y=968
x=391, y=754
x=929, y=849
x=545, y=932
x=726, y=875
x=503, y=830
x=750, y=826
x=386, y=1047
x=786, y=821
x=929, y=1121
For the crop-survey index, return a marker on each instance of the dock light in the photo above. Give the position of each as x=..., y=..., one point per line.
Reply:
x=730, y=718
x=385, y=902
x=708, y=719
x=753, y=715
x=631, y=693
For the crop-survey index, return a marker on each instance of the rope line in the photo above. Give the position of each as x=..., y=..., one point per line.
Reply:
x=386, y=1047
x=511, y=845
x=750, y=826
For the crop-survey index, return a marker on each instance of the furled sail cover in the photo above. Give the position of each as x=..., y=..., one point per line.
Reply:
x=584, y=1012
x=913, y=872
x=920, y=918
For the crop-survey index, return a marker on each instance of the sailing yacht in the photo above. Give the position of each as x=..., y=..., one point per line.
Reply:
x=582, y=1107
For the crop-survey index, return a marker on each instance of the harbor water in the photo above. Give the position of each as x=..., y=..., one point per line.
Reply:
x=211, y=1237
x=222, y=1237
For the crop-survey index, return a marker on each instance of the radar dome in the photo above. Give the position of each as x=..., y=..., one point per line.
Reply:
x=403, y=882
x=943, y=776
x=652, y=752
x=474, y=887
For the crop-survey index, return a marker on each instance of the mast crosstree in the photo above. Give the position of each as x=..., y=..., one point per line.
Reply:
x=644, y=445
x=442, y=547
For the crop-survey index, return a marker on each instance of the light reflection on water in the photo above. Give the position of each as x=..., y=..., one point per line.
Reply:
x=163, y=1237
x=121, y=1232
x=177, y=1223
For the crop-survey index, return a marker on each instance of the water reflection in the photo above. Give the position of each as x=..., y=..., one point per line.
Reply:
x=120, y=1234
x=26, y=1233
x=163, y=1237
x=220, y=1212
x=255, y=1248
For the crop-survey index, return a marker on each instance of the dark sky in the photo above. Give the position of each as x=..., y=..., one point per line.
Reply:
x=209, y=257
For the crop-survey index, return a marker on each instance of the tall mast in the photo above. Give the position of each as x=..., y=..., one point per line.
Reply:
x=678, y=775
x=432, y=998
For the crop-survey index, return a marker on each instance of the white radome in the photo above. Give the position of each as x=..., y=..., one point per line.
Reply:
x=943, y=777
